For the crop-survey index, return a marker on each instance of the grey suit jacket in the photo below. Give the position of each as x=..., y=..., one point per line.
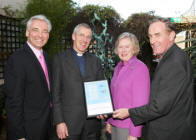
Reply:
x=170, y=112
x=68, y=92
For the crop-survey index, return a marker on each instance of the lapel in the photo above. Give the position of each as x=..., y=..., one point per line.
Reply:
x=36, y=63
x=87, y=66
x=71, y=60
x=165, y=57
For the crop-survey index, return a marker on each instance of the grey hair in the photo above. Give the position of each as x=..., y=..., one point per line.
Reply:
x=39, y=17
x=133, y=39
x=81, y=25
x=169, y=25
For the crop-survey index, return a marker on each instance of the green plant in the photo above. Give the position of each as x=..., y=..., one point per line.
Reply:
x=102, y=42
x=191, y=52
x=59, y=12
x=138, y=24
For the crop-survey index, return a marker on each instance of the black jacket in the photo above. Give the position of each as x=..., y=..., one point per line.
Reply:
x=170, y=112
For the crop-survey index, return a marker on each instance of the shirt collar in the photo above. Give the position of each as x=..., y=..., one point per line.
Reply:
x=77, y=54
x=160, y=57
x=35, y=51
x=130, y=61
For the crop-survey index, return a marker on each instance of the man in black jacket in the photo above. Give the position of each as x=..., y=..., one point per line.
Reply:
x=27, y=84
x=70, y=69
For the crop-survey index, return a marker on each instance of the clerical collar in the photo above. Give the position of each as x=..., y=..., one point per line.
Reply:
x=79, y=54
x=76, y=53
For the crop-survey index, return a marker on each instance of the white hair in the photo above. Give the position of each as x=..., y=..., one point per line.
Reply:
x=39, y=17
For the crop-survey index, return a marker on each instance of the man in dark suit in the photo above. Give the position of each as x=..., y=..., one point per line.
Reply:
x=27, y=83
x=169, y=115
x=70, y=69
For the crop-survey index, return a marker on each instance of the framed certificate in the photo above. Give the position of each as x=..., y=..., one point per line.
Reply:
x=98, y=98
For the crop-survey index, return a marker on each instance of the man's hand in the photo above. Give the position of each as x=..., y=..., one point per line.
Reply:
x=102, y=116
x=62, y=131
x=121, y=113
x=22, y=139
x=108, y=128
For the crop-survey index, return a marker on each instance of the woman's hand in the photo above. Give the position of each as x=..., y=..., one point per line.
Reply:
x=108, y=128
x=131, y=138
x=102, y=117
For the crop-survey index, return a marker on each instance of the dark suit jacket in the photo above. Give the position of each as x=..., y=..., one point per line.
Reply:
x=68, y=92
x=27, y=96
x=170, y=112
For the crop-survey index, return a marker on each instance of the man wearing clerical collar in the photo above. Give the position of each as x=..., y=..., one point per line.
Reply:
x=70, y=69
x=81, y=39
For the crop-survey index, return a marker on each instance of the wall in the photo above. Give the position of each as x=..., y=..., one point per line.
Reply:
x=1, y=81
x=13, y=4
